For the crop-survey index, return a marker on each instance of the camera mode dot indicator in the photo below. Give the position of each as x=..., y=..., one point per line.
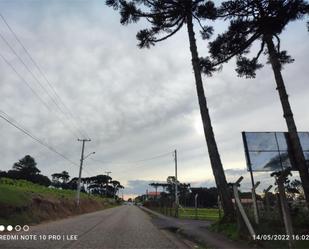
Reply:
x=26, y=228
x=17, y=228
x=2, y=228
x=9, y=228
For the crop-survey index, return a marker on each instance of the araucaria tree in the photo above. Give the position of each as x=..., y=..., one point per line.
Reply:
x=166, y=18
x=263, y=21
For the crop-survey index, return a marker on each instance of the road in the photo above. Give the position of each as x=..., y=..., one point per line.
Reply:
x=120, y=227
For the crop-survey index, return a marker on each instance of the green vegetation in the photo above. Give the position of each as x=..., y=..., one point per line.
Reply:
x=23, y=202
x=211, y=214
x=18, y=192
x=26, y=169
x=269, y=226
x=228, y=229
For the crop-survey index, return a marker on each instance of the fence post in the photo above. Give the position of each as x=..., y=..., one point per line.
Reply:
x=266, y=192
x=254, y=201
x=219, y=207
x=285, y=210
x=241, y=208
x=195, y=201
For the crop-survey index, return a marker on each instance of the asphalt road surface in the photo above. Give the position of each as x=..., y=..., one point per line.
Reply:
x=120, y=227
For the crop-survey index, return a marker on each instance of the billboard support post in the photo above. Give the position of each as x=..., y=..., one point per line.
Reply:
x=254, y=186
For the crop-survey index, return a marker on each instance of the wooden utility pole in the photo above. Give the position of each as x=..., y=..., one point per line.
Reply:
x=107, y=173
x=80, y=169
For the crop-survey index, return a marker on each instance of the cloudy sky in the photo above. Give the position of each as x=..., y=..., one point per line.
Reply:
x=134, y=104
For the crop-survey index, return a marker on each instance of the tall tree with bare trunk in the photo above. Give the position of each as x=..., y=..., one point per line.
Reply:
x=166, y=18
x=262, y=21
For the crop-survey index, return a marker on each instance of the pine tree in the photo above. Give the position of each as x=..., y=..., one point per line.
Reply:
x=166, y=18
x=262, y=21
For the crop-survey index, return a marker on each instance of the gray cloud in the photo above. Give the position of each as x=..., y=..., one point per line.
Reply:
x=133, y=103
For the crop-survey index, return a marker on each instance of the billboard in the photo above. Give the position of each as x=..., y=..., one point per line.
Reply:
x=271, y=151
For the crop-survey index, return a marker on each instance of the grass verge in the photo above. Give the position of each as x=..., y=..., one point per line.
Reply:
x=22, y=202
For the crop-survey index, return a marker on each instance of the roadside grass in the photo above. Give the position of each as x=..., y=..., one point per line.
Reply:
x=23, y=202
x=18, y=192
x=211, y=214
x=13, y=196
x=228, y=229
x=270, y=226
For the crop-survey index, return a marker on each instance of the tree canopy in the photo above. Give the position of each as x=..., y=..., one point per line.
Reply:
x=26, y=166
x=252, y=21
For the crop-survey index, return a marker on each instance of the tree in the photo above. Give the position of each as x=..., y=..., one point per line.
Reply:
x=171, y=183
x=26, y=169
x=116, y=186
x=26, y=166
x=262, y=21
x=65, y=176
x=99, y=184
x=155, y=185
x=166, y=18
x=55, y=178
x=207, y=197
x=3, y=174
x=72, y=184
x=183, y=189
x=40, y=179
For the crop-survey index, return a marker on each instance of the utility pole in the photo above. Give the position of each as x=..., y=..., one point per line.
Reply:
x=176, y=186
x=80, y=168
x=107, y=173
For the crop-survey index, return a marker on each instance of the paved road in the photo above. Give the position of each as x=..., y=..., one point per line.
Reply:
x=120, y=227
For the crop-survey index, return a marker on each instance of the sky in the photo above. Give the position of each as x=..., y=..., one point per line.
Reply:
x=137, y=106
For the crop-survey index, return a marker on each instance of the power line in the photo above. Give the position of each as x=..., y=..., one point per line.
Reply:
x=13, y=123
x=34, y=92
x=133, y=165
x=82, y=132
x=28, y=69
x=137, y=161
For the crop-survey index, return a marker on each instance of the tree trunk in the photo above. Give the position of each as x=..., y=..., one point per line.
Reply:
x=288, y=115
x=229, y=213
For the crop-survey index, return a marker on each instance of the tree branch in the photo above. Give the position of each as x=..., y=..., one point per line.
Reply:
x=247, y=44
x=172, y=33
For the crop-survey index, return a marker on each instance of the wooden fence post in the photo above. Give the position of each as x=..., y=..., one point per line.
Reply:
x=255, y=208
x=241, y=208
x=285, y=210
x=267, y=204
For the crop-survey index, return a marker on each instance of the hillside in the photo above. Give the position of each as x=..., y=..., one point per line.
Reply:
x=22, y=202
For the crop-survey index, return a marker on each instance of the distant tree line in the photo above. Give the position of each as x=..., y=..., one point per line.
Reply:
x=26, y=169
x=207, y=197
